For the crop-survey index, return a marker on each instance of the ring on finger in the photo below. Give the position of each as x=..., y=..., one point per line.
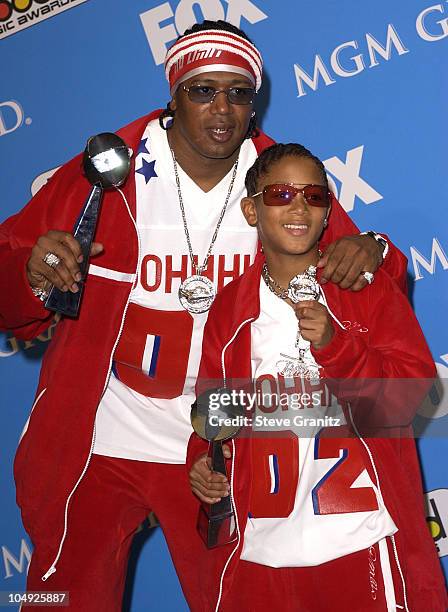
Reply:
x=51, y=259
x=369, y=276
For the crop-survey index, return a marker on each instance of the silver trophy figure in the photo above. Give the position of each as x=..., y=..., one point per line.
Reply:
x=216, y=522
x=106, y=164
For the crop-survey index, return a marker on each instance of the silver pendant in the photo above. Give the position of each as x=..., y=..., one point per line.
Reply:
x=296, y=367
x=196, y=294
x=304, y=286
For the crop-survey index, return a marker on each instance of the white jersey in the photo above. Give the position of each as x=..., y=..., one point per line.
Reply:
x=312, y=499
x=145, y=411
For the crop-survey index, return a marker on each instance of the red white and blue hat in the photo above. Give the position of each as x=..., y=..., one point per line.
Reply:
x=212, y=51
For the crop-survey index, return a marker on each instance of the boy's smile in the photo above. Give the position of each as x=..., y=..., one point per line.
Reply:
x=294, y=228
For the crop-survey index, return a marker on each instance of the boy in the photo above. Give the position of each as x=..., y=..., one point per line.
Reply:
x=322, y=522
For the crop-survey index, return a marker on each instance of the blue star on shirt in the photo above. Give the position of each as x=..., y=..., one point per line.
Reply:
x=147, y=170
x=142, y=146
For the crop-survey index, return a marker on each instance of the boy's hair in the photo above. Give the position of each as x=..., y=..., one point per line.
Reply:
x=275, y=153
x=215, y=25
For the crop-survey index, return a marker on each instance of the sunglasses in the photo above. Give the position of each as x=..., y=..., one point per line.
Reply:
x=203, y=94
x=281, y=194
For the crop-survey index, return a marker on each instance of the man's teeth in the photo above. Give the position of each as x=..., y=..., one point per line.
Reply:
x=220, y=130
x=293, y=227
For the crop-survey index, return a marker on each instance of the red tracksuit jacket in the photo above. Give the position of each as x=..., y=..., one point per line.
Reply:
x=55, y=450
x=392, y=350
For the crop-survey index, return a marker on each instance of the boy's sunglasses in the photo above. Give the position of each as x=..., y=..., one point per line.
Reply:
x=202, y=94
x=281, y=194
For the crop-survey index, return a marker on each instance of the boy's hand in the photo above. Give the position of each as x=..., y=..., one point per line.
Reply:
x=209, y=486
x=315, y=323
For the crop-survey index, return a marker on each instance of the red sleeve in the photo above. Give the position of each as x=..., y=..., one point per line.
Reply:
x=55, y=207
x=20, y=311
x=196, y=447
x=385, y=373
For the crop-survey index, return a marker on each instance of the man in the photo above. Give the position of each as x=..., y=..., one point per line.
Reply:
x=107, y=436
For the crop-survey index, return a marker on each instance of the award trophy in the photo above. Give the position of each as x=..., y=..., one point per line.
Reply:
x=216, y=522
x=106, y=164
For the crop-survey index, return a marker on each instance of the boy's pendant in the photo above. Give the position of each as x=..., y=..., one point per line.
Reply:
x=304, y=286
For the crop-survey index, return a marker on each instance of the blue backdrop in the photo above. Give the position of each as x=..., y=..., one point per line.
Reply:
x=361, y=84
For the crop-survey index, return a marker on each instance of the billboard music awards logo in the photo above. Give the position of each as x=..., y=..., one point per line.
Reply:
x=16, y=15
x=436, y=503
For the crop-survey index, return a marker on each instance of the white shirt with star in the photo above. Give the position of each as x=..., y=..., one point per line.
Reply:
x=145, y=411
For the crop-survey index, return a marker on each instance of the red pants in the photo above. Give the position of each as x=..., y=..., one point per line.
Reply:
x=353, y=583
x=111, y=501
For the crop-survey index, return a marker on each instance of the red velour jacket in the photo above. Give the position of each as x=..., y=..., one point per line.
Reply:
x=388, y=369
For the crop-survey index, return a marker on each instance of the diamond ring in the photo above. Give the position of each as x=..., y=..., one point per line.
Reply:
x=51, y=259
x=369, y=276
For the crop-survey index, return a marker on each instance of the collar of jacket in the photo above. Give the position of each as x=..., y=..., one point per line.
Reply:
x=132, y=134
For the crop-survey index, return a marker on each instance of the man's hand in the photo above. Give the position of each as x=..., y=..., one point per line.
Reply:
x=66, y=274
x=209, y=486
x=315, y=323
x=345, y=259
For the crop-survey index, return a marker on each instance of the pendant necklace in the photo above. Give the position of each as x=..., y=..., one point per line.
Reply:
x=300, y=288
x=197, y=292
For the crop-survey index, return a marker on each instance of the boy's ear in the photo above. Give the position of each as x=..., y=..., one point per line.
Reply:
x=249, y=211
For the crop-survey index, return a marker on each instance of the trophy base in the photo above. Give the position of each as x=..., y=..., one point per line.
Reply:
x=64, y=302
x=216, y=530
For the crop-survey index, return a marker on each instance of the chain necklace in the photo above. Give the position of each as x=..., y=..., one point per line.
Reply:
x=197, y=292
x=300, y=288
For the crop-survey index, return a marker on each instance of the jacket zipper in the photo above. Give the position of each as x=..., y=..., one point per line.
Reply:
x=232, y=499
x=36, y=401
x=394, y=546
x=223, y=352
x=52, y=569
